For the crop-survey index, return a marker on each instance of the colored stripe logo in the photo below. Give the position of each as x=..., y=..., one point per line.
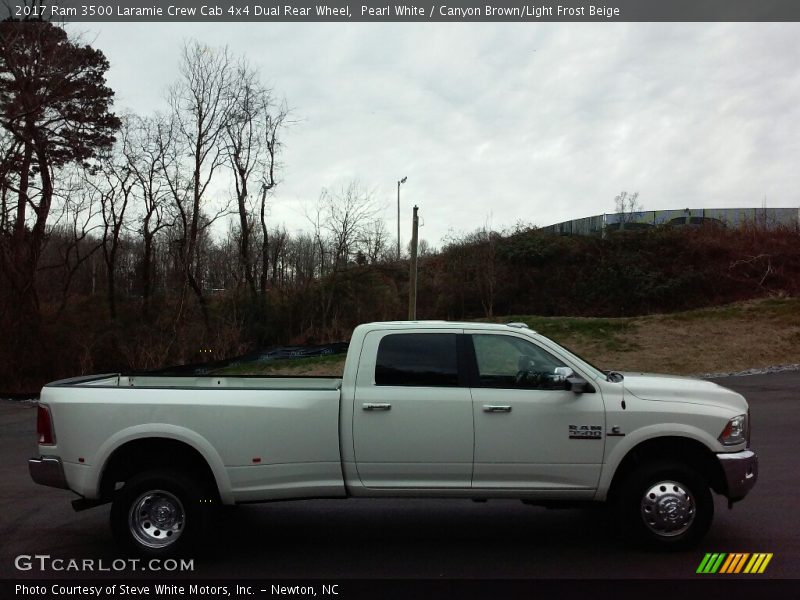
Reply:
x=734, y=562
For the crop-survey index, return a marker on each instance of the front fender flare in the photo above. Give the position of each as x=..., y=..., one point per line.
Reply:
x=635, y=438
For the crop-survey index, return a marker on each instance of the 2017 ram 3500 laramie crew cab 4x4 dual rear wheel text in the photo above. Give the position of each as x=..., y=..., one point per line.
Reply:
x=424, y=409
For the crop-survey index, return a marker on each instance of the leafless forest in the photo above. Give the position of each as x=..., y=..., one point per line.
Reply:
x=136, y=241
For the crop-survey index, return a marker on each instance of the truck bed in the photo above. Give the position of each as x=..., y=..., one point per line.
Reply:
x=148, y=381
x=265, y=438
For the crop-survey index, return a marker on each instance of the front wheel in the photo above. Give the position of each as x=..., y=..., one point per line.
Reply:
x=159, y=513
x=666, y=505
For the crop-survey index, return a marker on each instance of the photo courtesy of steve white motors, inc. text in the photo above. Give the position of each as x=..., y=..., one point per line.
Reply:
x=172, y=590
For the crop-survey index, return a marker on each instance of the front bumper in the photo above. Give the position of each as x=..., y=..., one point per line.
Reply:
x=48, y=470
x=741, y=472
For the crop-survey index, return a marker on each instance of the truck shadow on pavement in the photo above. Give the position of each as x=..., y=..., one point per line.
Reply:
x=366, y=535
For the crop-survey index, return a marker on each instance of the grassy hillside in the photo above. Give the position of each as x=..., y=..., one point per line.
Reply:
x=756, y=333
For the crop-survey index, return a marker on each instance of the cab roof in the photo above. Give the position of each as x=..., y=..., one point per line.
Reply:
x=449, y=325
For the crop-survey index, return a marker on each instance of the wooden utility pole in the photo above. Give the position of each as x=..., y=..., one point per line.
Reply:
x=403, y=180
x=412, y=275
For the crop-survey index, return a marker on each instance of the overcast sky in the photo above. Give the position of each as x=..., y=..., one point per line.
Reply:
x=499, y=123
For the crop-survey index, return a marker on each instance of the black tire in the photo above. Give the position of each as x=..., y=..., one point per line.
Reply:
x=678, y=509
x=180, y=514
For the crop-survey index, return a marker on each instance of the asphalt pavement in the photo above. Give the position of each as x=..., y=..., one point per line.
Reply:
x=363, y=538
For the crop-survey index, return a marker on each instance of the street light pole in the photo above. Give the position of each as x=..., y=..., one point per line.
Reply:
x=412, y=270
x=403, y=180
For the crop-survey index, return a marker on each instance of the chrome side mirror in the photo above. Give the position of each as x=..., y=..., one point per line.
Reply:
x=564, y=372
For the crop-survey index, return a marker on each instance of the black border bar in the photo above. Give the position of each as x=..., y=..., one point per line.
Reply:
x=453, y=11
x=701, y=587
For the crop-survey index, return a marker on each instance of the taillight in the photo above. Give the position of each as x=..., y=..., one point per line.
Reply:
x=44, y=426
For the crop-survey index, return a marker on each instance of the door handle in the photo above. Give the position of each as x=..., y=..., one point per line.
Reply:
x=376, y=406
x=493, y=408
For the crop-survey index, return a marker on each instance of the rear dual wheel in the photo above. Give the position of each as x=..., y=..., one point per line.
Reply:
x=160, y=513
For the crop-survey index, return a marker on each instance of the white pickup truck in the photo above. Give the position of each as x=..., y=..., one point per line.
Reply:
x=424, y=409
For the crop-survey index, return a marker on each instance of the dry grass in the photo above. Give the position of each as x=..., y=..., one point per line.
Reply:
x=735, y=337
x=331, y=368
x=747, y=335
x=322, y=366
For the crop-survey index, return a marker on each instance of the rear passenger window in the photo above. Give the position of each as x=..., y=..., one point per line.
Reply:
x=417, y=359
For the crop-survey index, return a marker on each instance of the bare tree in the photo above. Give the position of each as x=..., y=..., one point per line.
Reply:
x=178, y=188
x=114, y=184
x=278, y=243
x=145, y=148
x=341, y=222
x=480, y=250
x=425, y=249
x=201, y=104
x=73, y=242
x=473, y=257
x=252, y=138
x=376, y=242
x=627, y=207
x=301, y=255
x=487, y=267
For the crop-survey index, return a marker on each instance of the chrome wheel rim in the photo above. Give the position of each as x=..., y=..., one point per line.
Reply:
x=668, y=508
x=156, y=519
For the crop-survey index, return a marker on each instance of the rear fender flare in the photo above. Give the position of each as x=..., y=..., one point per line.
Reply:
x=168, y=431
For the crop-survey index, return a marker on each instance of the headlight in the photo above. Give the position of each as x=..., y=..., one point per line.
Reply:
x=735, y=431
